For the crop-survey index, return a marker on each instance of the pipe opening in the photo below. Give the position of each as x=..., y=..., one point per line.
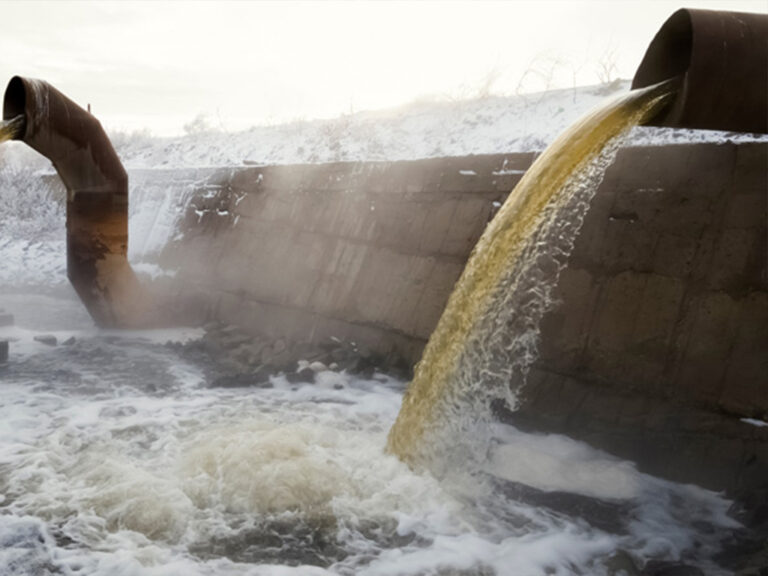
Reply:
x=15, y=100
x=669, y=54
x=721, y=60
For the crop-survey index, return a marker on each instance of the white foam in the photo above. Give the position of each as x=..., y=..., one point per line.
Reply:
x=138, y=464
x=553, y=462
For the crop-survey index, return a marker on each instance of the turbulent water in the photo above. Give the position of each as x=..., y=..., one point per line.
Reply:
x=117, y=457
x=486, y=338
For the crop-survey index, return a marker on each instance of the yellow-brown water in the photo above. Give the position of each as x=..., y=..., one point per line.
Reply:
x=10, y=129
x=486, y=338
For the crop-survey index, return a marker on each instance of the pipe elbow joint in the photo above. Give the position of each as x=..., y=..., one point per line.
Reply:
x=719, y=60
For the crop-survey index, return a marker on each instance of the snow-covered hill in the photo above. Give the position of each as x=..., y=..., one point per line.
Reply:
x=490, y=125
x=420, y=130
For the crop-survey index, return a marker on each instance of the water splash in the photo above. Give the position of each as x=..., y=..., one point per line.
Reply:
x=487, y=336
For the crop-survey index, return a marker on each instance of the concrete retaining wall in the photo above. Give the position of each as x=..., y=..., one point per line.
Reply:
x=663, y=328
x=660, y=345
x=363, y=252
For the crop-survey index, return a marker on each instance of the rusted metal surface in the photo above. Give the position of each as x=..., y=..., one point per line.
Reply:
x=721, y=60
x=97, y=197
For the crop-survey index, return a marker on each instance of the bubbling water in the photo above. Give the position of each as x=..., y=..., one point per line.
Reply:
x=487, y=336
x=116, y=457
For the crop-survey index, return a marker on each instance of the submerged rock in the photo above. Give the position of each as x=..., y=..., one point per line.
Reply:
x=303, y=375
x=620, y=563
x=234, y=358
x=47, y=339
x=661, y=568
x=608, y=516
x=257, y=379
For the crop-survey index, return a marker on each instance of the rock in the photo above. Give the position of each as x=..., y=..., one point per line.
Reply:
x=318, y=367
x=234, y=340
x=751, y=509
x=620, y=563
x=256, y=347
x=606, y=515
x=364, y=352
x=283, y=361
x=47, y=339
x=256, y=379
x=229, y=329
x=243, y=354
x=3, y=351
x=365, y=367
x=333, y=366
x=279, y=346
x=249, y=353
x=304, y=375
x=662, y=568
x=745, y=552
x=266, y=355
x=69, y=341
x=231, y=366
x=211, y=346
x=277, y=355
x=6, y=319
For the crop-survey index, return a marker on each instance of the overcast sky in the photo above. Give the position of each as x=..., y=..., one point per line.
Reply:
x=158, y=65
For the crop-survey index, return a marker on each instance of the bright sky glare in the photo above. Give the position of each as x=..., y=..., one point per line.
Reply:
x=158, y=65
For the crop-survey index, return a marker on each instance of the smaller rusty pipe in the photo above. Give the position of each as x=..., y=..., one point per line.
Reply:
x=721, y=61
x=97, y=197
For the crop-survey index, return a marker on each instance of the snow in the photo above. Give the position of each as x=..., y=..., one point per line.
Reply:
x=426, y=129
x=754, y=422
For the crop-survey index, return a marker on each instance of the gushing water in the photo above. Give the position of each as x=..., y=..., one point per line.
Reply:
x=486, y=338
x=10, y=129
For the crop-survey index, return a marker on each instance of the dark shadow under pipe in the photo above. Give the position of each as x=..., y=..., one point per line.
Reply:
x=721, y=61
x=97, y=197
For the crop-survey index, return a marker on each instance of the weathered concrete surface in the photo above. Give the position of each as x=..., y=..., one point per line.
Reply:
x=363, y=252
x=660, y=344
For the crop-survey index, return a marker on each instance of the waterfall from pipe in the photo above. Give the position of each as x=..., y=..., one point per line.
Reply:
x=486, y=339
x=13, y=128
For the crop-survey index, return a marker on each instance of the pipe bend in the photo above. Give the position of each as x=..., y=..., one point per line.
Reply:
x=97, y=196
x=720, y=59
x=69, y=136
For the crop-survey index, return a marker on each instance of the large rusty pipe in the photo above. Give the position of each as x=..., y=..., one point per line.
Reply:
x=721, y=61
x=97, y=197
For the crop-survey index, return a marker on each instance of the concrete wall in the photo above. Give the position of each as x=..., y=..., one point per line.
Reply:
x=660, y=344
x=363, y=252
x=667, y=288
x=662, y=334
